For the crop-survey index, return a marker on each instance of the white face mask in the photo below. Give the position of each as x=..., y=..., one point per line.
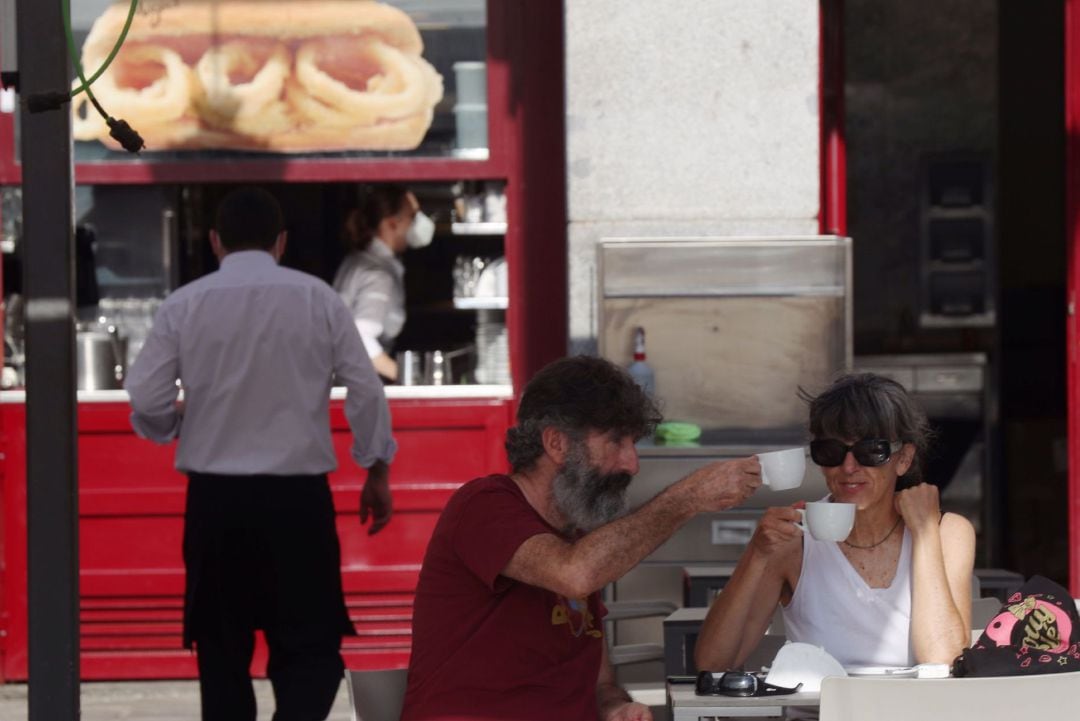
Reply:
x=421, y=231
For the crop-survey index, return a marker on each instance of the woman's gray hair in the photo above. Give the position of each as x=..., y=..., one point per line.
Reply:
x=866, y=405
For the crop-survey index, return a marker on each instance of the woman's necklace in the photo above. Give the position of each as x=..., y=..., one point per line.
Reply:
x=875, y=545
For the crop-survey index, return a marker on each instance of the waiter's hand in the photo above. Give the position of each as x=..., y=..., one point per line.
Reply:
x=375, y=498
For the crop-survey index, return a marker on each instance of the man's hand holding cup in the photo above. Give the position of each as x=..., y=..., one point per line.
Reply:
x=724, y=484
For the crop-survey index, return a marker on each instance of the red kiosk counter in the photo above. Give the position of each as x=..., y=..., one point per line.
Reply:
x=131, y=506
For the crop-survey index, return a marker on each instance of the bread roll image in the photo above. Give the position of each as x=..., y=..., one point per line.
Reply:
x=288, y=76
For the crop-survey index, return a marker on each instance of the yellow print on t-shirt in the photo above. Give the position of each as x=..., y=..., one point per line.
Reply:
x=575, y=613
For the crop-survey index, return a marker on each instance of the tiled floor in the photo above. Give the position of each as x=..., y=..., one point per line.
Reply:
x=149, y=700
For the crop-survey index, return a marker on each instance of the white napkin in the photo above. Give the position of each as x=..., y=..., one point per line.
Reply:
x=803, y=663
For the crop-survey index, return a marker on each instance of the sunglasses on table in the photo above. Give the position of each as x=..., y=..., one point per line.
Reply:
x=868, y=451
x=737, y=683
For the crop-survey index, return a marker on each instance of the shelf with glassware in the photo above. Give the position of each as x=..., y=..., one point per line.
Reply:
x=447, y=282
x=457, y=290
x=481, y=275
x=496, y=71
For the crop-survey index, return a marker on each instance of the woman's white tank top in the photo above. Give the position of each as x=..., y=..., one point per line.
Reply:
x=833, y=607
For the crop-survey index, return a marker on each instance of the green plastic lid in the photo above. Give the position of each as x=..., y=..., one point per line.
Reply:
x=678, y=431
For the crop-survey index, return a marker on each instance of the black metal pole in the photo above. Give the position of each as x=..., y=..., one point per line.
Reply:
x=48, y=282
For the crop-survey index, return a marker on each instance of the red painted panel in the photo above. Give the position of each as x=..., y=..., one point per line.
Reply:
x=425, y=456
x=109, y=666
x=13, y=602
x=117, y=543
x=386, y=582
x=1072, y=229
x=400, y=546
x=131, y=523
x=144, y=584
x=289, y=170
x=527, y=59
x=832, y=217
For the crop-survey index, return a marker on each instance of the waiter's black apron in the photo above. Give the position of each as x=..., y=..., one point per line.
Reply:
x=262, y=552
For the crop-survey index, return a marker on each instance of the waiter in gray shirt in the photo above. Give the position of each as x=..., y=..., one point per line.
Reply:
x=256, y=348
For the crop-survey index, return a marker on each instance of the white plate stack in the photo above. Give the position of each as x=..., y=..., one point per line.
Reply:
x=492, y=348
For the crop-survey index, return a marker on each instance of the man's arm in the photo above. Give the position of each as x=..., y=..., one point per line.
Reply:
x=577, y=569
x=613, y=703
x=368, y=414
x=151, y=383
x=365, y=400
x=375, y=499
x=740, y=614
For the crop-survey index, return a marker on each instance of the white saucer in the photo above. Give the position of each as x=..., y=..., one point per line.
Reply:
x=895, y=671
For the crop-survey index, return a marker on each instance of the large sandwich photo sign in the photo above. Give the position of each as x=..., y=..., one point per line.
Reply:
x=290, y=76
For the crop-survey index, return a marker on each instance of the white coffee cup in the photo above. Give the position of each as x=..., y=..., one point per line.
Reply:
x=782, y=470
x=828, y=521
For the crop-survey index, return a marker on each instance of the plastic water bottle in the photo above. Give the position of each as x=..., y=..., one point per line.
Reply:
x=639, y=370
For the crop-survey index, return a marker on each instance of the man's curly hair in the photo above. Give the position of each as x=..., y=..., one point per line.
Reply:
x=576, y=395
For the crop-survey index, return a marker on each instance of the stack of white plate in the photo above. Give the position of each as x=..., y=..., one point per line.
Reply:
x=492, y=348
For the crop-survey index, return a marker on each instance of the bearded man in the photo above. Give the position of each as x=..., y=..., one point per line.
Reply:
x=508, y=622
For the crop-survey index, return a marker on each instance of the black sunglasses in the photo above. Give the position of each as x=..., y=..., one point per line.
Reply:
x=868, y=451
x=737, y=683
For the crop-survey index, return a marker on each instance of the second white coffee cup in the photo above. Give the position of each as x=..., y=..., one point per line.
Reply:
x=827, y=521
x=783, y=470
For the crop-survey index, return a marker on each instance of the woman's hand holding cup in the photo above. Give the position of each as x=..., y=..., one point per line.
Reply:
x=777, y=529
x=827, y=521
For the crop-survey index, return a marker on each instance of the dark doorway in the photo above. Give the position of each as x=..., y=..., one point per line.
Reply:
x=954, y=115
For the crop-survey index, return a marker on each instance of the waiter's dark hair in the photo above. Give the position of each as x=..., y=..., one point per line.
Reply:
x=867, y=405
x=248, y=218
x=376, y=202
x=576, y=395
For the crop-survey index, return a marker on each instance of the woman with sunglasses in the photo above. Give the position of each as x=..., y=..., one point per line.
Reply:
x=897, y=590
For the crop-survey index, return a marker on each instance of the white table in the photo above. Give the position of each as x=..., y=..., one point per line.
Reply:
x=688, y=706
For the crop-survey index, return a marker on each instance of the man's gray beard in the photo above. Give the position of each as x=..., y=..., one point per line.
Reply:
x=586, y=498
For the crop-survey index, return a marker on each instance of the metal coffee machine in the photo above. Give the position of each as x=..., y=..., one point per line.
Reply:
x=100, y=357
x=435, y=367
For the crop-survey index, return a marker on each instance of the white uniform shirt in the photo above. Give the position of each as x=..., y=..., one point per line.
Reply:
x=833, y=607
x=372, y=284
x=257, y=348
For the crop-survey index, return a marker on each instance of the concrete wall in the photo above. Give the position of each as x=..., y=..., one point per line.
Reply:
x=686, y=118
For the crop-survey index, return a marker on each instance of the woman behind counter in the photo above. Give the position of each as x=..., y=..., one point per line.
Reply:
x=897, y=590
x=371, y=279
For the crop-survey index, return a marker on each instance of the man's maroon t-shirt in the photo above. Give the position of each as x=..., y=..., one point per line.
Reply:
x=485, y=646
